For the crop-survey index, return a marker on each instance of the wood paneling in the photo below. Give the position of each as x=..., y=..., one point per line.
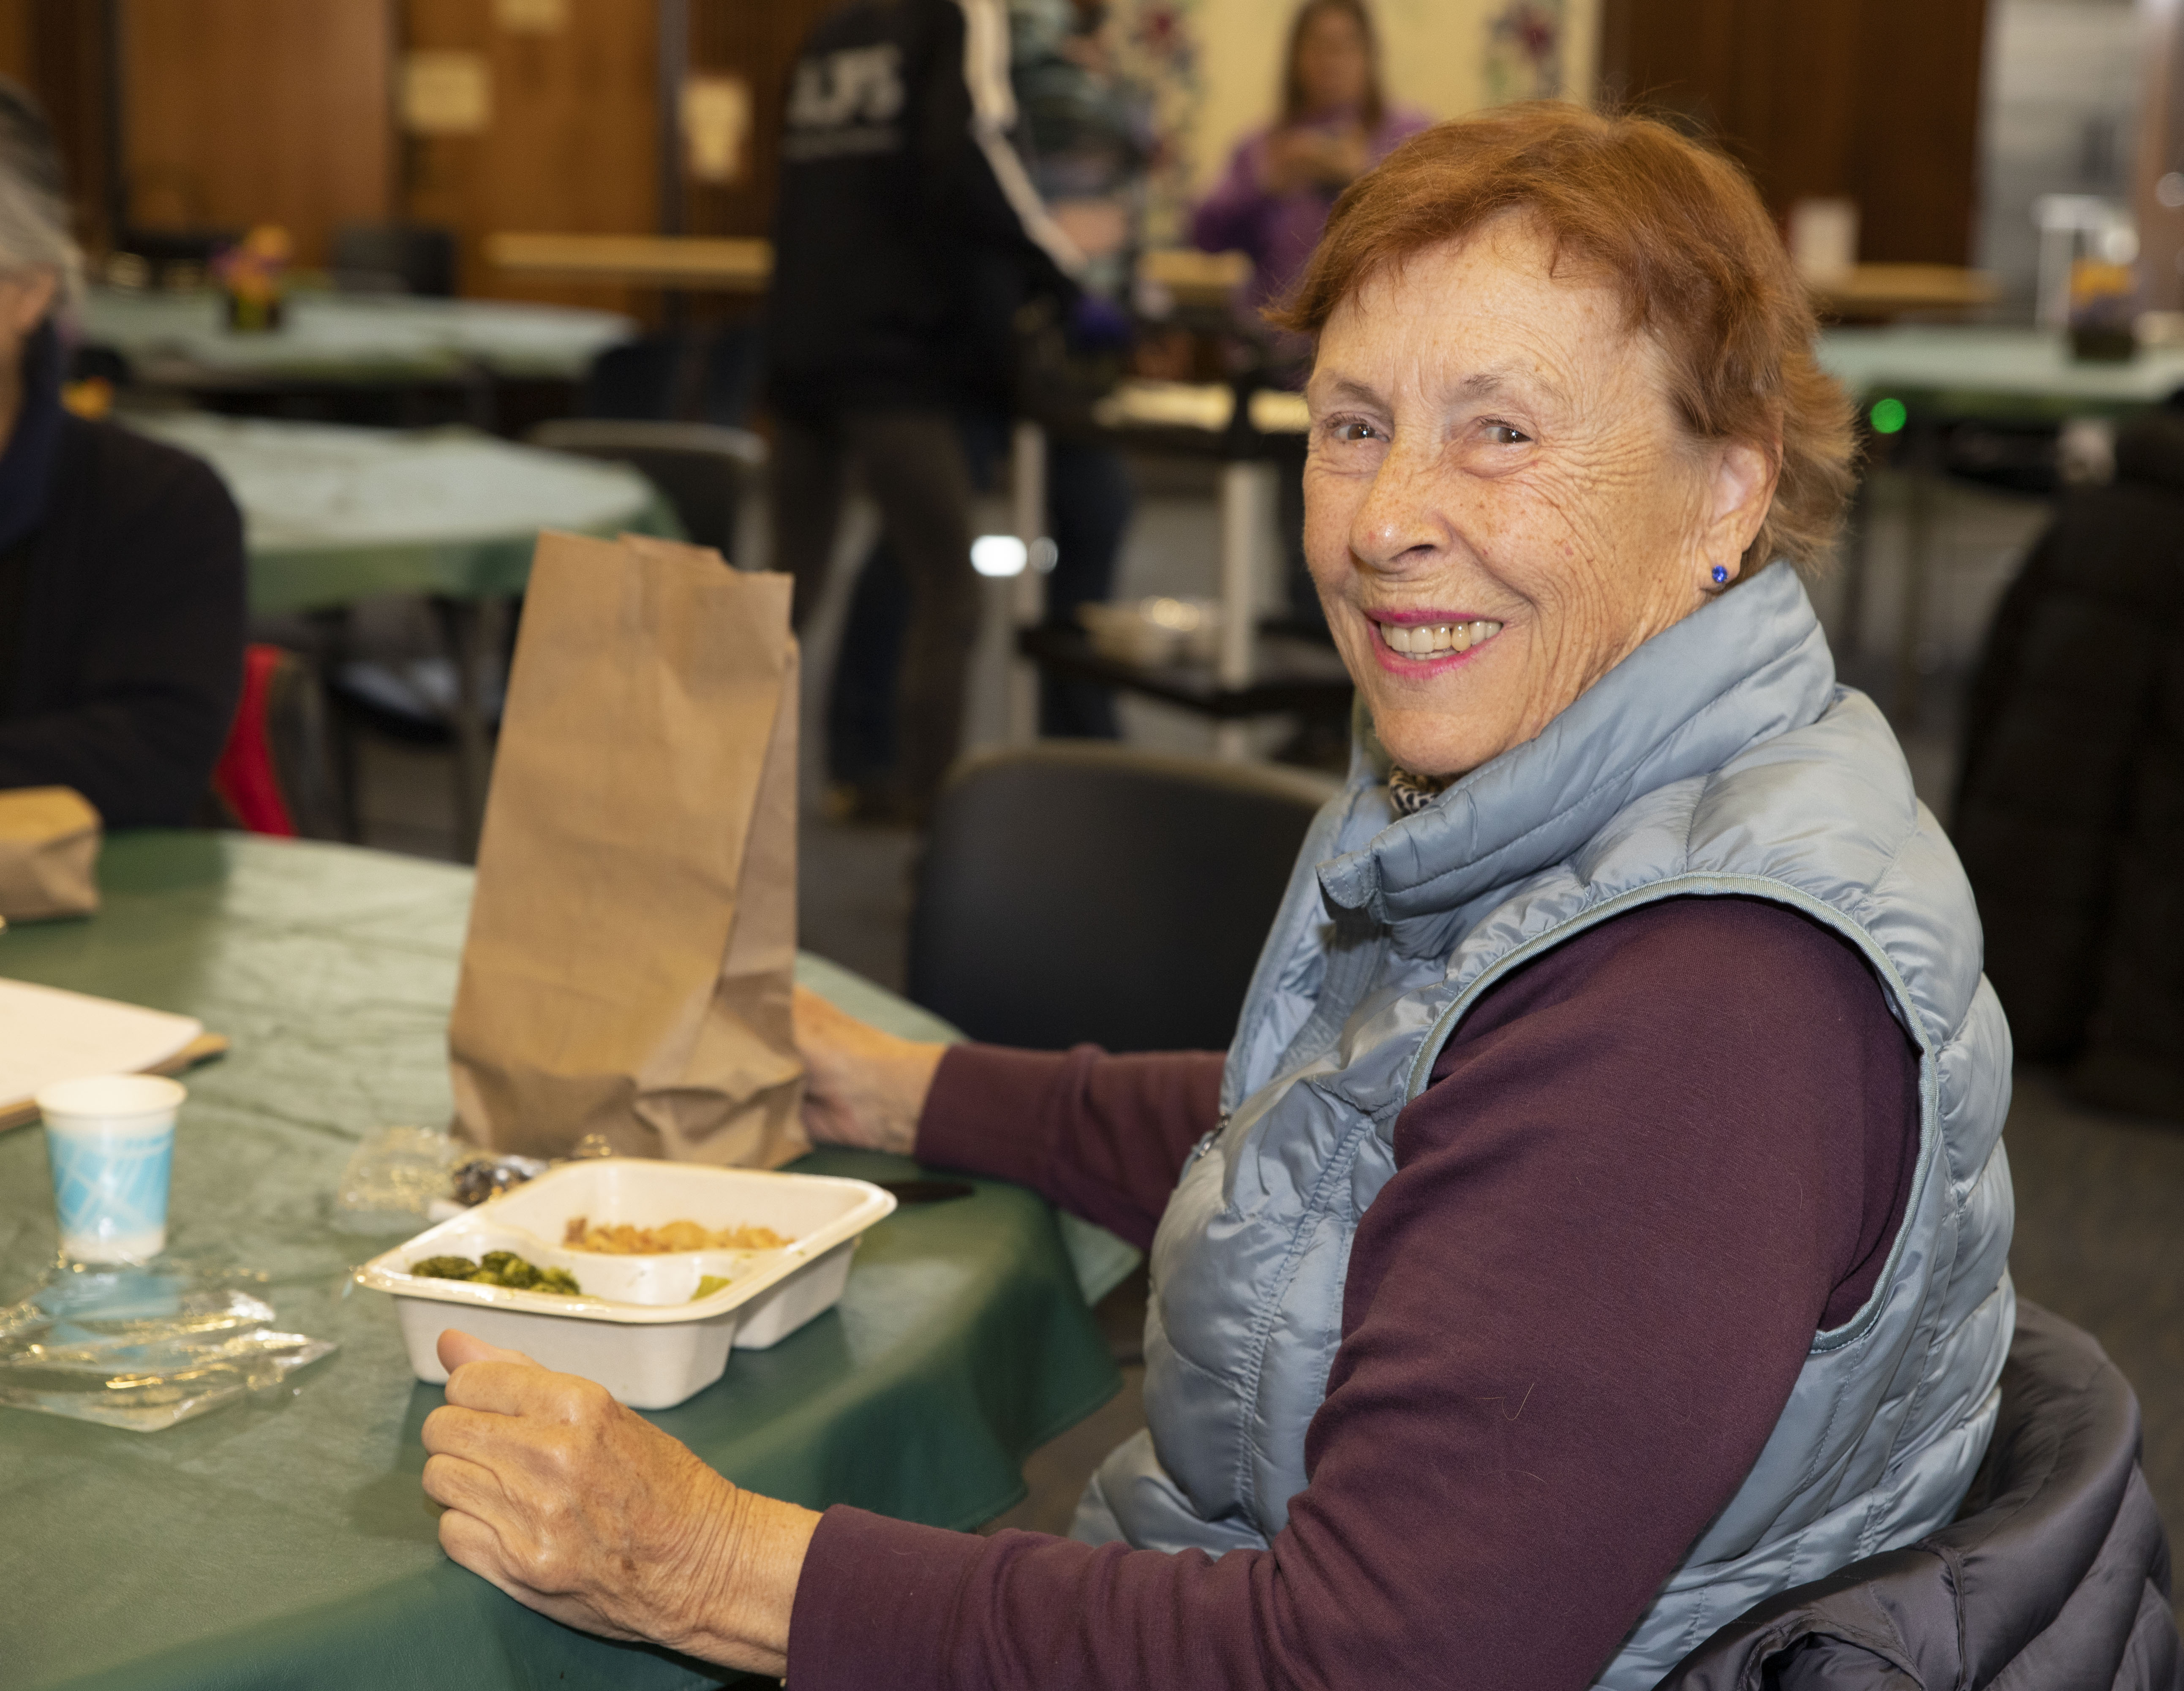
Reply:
x=258, y=111
x=15, y=40
x=570, y=148
x=1875, y=100
x=758, y=43
x=57, y=48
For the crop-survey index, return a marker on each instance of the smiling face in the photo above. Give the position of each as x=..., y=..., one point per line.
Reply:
x=1499, y=502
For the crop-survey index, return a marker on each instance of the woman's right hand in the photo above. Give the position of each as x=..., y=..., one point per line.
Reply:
x=1286, y=163
x=861, y=1088
x=1296, y=159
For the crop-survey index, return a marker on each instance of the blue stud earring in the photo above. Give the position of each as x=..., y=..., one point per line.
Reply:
x=1720, y=573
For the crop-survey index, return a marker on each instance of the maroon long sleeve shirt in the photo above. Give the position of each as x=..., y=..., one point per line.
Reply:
x=1650, y=1166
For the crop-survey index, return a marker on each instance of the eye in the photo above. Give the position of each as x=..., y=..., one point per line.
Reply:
x=1504, y=434
x=1348, y=429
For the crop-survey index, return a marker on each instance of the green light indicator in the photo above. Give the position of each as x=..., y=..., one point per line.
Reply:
x=1887, y=416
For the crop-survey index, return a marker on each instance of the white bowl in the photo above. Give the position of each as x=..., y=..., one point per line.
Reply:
x=638, y=1330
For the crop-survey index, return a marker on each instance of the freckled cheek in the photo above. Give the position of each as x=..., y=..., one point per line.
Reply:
x=1330, y=506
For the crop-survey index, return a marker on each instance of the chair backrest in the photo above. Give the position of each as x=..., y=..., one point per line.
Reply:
x=705, y=375
x=2054, y=1572
x=1073, y=891
x=395, y=258
x=275, y=774
x=702, y=468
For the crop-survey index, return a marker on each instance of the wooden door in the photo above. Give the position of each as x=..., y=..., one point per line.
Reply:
x=1877, y=101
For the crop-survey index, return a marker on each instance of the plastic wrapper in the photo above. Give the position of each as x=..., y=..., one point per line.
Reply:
x=142, y=1349
x=397, y=1173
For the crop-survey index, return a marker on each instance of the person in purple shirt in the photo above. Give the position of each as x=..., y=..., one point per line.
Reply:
x=1335, y=125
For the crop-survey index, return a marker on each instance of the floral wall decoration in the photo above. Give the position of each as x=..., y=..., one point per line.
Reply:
x=1524, y=51
x=1161, y=45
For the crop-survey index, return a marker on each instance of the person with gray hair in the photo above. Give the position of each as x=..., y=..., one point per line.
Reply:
x=121, y=575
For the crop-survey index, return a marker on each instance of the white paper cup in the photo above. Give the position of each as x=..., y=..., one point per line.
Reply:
x=110, y=1140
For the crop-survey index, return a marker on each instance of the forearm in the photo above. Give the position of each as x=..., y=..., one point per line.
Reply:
x=1101, y=1135
x=1227, y=219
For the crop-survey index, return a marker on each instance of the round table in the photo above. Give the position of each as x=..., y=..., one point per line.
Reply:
x=332, y=515
x=286, y=1541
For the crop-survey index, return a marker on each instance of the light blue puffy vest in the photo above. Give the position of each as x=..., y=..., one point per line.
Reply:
x=1720, y=758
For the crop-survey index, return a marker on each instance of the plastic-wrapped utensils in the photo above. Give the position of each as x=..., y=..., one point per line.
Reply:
x=139, y=1350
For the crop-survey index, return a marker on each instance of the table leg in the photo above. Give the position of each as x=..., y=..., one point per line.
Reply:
x=1027, y=598
x=462, y=628
x=332, y=627
x=1923, y=489
x=1856, y=558
x=1247, y=495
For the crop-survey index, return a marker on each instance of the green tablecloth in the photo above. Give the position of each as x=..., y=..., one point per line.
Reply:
x=332, y=515
x=1994, y=372
x=183, y=338
x=287, y=1543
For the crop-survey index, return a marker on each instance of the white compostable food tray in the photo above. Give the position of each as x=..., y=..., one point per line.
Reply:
x=640, y=1331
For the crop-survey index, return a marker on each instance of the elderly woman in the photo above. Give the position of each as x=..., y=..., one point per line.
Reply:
x=121, y=611
x=1598, y=1223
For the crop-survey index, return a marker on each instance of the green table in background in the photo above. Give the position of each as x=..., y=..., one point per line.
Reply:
x=182, y=340
x=287, y=1544
x=333, y=514
x=1940, y=374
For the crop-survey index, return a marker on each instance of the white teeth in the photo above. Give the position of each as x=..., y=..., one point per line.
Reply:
x=1431, y=639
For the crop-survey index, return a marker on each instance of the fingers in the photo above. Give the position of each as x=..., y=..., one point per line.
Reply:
x=524, y=1389
x=456, y=1483
x=457, y=1348
x=478, y=1436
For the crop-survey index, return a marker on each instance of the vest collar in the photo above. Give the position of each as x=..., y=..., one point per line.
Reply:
x=1743, y=668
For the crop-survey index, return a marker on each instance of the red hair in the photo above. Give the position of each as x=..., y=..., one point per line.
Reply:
x=1676, y=229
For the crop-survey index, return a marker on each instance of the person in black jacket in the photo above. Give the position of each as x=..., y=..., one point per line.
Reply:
x=121, y=572
x=907, y=230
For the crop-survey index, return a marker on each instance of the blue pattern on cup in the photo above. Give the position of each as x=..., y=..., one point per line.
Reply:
x=111, y=1186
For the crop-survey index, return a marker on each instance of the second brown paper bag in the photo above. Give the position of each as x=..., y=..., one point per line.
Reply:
x=633, y=932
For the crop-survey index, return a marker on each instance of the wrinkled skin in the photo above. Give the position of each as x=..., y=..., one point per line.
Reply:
x=1486, y=439
x=584, y=1511
x=1489, y=442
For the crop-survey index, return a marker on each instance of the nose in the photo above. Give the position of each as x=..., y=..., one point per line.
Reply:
x=1402, y=524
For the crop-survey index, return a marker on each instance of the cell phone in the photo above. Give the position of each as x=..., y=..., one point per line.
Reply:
x=927, y=1191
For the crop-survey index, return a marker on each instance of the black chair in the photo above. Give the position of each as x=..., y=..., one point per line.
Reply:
x=705, y=375
x=2055, y=1571
x=395, y=258
x=1083, y=892
x=703, y=469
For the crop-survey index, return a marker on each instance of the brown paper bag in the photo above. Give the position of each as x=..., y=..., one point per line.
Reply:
x=48, y=854
x=633, y=932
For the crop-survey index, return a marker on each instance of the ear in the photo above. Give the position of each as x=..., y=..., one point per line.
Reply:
x=1740, y=489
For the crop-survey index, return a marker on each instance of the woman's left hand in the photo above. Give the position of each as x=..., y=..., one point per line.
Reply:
x=584, y=1511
